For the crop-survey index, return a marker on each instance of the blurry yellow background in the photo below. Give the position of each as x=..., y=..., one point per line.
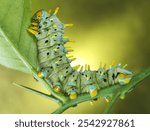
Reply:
x=104, y=30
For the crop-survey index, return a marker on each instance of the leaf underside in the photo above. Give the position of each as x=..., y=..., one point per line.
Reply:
x=14, y=20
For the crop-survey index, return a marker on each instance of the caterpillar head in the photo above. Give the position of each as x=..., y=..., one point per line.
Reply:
x=40, y=15
x=51, y=21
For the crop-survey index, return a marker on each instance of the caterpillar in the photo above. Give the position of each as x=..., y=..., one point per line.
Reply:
x=55, y=66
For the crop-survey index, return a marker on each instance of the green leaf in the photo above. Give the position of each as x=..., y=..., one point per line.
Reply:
x=14, y=39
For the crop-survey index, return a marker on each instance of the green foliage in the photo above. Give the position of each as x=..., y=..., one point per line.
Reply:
x=18, y=51
x=14, y=20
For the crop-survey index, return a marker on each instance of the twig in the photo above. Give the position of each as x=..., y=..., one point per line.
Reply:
x=39, y=93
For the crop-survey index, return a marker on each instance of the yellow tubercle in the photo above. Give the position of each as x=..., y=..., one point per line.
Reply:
x=34, y=23
x=53, y=36
x=70, y=56
x=55, y=49
x=56, y=62
x=93, y=93
x=49, y=11
x=34, y=28
x=32, y=31
x=122, y=76
x=67, y=47
x=126, y=81
x=68, y=25
x=57, y=88
x=107, y=100
x=40, y=75
x=39, y=14
x=81, y=69
x=104, y=66
x=56, y=10
x=73, y=59
x=76, y=67
x=125, y=65
x=73, y=96
x=55, y=26
x=70, y=50
x=88, y=67
x=112, y=64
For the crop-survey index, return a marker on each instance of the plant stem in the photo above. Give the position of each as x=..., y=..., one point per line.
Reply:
x=110, y=91
x=39, y=93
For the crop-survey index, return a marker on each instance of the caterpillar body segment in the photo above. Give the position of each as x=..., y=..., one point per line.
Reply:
x=54, y=61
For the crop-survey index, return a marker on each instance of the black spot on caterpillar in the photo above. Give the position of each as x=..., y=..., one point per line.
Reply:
x=55, y=65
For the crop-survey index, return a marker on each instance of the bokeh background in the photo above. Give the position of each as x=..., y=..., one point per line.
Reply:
x=104, y=30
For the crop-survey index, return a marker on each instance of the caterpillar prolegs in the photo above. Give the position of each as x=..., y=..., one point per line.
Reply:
x=54, y=65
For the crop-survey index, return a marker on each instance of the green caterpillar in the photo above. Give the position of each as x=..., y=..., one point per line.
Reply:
x=54, y=65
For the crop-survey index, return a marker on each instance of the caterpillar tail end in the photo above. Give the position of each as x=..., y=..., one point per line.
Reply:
x=124, y=81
